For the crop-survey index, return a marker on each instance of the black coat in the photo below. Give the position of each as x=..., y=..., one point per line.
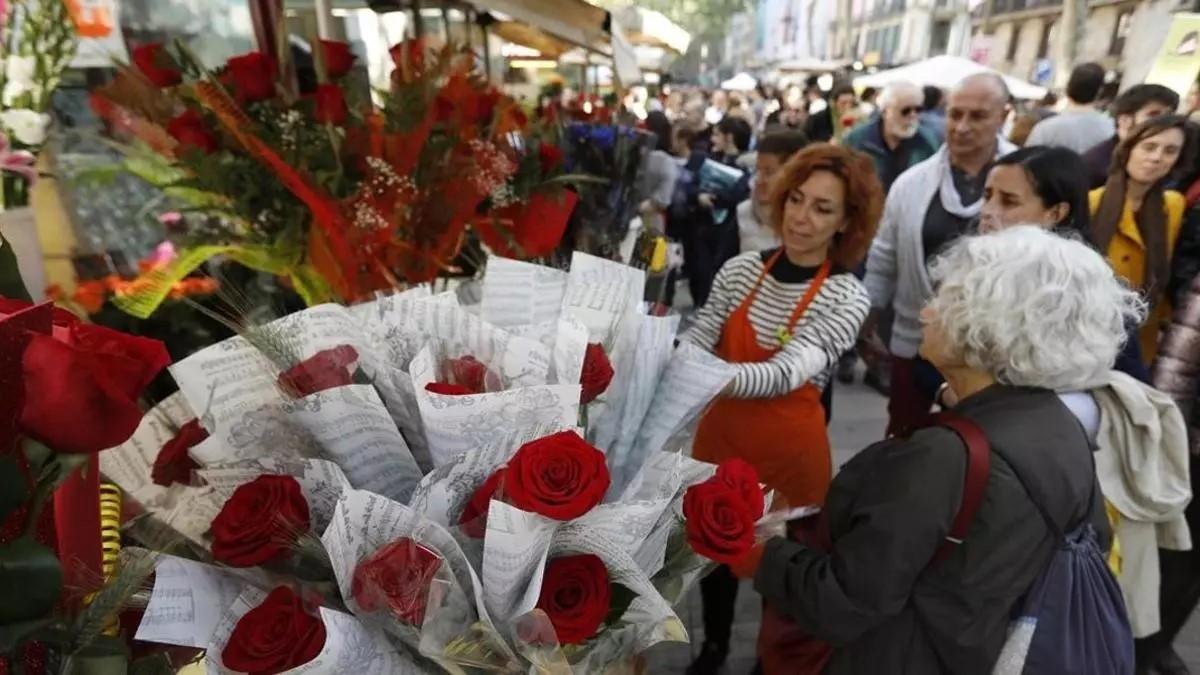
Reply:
x=878, y=598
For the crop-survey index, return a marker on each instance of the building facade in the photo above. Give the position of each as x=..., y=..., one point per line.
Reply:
x=893, y=32
x=1028, y=38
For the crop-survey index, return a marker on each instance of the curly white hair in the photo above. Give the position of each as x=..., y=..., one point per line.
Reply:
x=1032, y=308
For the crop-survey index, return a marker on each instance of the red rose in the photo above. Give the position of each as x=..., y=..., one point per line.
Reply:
x=469, y=372
x=719, y=524
x=326, y=369
x=277, y=635
x=330, y=105
x=597, y=373
x=447, y=389
x=532, y=229
x=397, y=577
x=174, y=464
x=338, y=57
x=252, y=76
x=191, y=131
x=260, y=522
x=152, y=60
x=474, y=516
x=743, y=477
x=408, y=57
x=81, y=385
x=550, y=156
x=560, y=476
x=575, y=595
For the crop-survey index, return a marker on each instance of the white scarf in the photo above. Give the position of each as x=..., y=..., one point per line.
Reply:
x=951, y=201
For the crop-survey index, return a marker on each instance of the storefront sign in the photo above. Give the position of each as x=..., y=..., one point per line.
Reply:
x=1178, y=60
x=99, y=27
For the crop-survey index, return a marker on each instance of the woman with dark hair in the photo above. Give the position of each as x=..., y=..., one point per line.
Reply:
x=656, y=183
x=1136, y=221
x=1038, y=185
x=783, y=317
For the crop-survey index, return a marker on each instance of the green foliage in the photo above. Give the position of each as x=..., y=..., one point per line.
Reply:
x=29, y=572
x=622, y=597
x=13, y=491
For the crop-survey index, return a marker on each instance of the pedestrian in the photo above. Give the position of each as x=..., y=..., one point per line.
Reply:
x=826, y=125
x=933, y=110
x=657, y=179
x=1080, y=126
x=930, y=205
x=896, y=139
x=783, y=317
x=711, y=230
x=1136, y=221
x=755, y=231
x=1177, y=373
x=1138, y=104
x=877, y=593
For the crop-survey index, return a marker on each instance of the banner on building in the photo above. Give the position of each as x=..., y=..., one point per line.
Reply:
x=99, y=27
x=1178, y=59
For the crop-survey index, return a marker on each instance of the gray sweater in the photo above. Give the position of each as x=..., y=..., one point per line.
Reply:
x=896, y=273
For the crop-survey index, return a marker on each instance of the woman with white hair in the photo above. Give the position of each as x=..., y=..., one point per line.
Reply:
x=1016, y=316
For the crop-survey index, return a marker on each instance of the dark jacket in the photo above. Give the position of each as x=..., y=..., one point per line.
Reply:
x=819, y=127
x=1177, y=367
x=1097, y=160
x=1185, y=259
x=868, y=138
x=878, y=599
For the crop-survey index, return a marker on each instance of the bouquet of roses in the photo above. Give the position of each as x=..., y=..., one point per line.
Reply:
x=408, y=485
x=341, y=196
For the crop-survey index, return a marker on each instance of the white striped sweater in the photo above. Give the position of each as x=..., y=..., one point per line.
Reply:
x=828, y=329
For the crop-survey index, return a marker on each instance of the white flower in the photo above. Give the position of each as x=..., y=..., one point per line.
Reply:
x=20, y=69
x=27, y=126
x=19, y=73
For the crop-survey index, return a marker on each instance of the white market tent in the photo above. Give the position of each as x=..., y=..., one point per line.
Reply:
x=740, y=82
x=945, y=72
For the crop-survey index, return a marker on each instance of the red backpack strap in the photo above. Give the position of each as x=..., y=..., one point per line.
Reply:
x=979, y=463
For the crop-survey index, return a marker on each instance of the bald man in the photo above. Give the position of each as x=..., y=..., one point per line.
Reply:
x=929, y=206
x=896, y=139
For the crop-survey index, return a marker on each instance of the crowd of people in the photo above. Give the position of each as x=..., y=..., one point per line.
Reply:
x=1030, y=288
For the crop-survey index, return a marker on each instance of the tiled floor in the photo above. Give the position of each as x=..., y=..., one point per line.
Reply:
x=859, y=418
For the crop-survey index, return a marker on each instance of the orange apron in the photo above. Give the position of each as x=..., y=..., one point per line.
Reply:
x=783, y=437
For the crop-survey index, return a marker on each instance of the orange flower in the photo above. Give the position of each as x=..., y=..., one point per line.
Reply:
x=193, y=286
x=91, y=295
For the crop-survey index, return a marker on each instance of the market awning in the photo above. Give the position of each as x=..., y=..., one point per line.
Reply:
x=573, y=21
x=530, y=36
x=646, y=27
x=945, y=72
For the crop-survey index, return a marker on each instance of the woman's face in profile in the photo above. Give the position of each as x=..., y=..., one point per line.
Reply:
x=1009, y=199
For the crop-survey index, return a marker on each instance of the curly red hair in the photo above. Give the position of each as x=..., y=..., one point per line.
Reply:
x=864, y=196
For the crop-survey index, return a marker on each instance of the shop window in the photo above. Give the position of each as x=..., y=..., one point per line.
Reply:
x=1014, y=39
x=1120, y=32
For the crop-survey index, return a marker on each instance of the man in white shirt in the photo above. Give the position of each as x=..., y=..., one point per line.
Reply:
x=1079, y=126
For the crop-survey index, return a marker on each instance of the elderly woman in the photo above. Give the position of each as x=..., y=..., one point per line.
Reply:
x=1017, y=315
x=784, y=316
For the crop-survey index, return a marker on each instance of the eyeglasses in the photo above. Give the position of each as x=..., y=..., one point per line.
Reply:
x=910, y=110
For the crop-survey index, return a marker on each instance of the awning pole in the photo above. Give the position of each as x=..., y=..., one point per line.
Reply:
x=324, y=19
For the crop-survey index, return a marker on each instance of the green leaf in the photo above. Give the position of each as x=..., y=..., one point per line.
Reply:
x=13, y=491
x=60, y=467
x=37, y=455
x=30, y=580
x=622, y=597
x=11, y=285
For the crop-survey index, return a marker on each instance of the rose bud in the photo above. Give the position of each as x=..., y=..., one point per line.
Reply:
x=174, y=464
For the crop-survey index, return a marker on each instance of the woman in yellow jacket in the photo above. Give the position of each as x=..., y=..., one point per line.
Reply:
x=1136, y=222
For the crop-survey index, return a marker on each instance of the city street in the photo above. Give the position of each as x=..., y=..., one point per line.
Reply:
x=859, y=419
